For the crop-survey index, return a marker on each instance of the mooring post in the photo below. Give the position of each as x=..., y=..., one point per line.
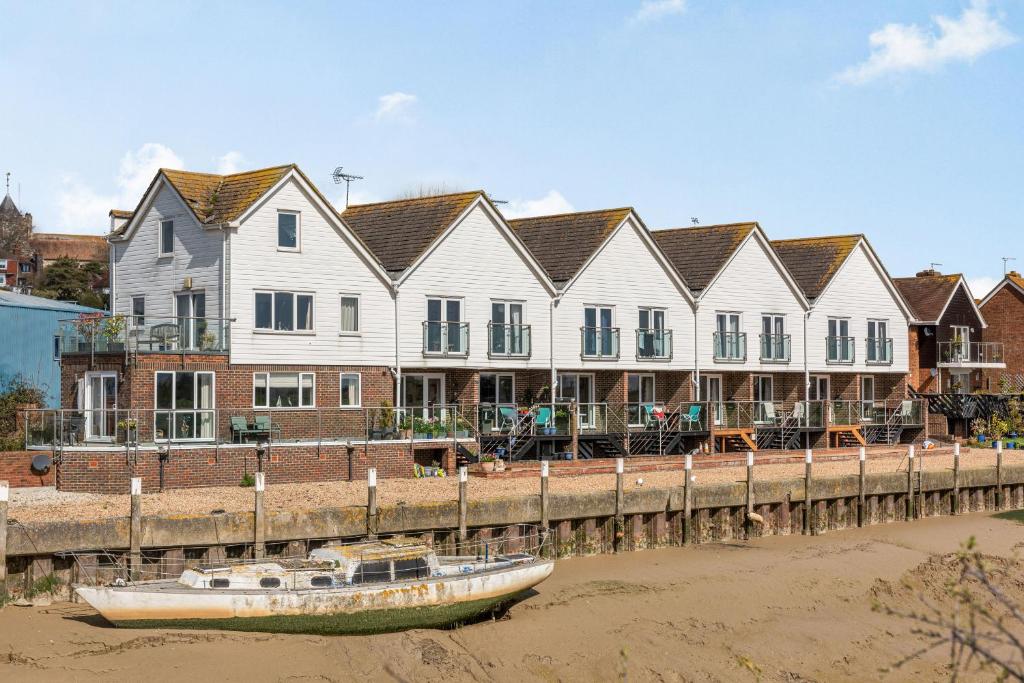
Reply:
x=999, y=474
x=910, y=482
x=956, y=479
x=748, y=522
x=687, y=501
x=463, y=507
x=808, y=502
x=259, y=530
x=620, y=529
x=371, y=503
x=574, y=431
x=861, y=503
x=135, y=538
x=5, y=492
x=545, y=522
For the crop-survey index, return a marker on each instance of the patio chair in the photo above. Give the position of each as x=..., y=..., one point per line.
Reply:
x=165, y=336
x=768, y=416
x=543, y=419
x=906, y=410
x=692, y=417
x=508, y=417
x=240, y=429
x=263, y=425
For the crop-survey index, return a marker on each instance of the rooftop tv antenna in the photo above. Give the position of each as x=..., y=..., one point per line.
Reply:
x=1007, y=259
x=931, y=266
x=347, y=178
x=695, y=220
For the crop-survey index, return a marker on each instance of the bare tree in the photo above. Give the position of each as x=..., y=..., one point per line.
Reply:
x=973, y=616
x=428, y=190
x=15, y=230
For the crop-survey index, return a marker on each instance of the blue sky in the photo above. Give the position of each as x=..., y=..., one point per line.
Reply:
x=899, y=120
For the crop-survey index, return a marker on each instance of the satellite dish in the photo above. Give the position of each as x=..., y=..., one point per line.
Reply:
x=41, y=463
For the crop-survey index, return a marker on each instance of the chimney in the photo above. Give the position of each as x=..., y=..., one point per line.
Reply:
x=118, y=218
x=928, y=272
x=1013, y=273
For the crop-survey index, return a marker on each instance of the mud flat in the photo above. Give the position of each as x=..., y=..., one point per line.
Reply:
x=771, y=609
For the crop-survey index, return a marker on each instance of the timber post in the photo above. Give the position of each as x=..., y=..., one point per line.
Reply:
x=620, y=531
x=135, y=537
x=574, y=430
x=688, y=501
x=545, y=521
x=808, y=502
x=955, y=506
x=1000, y=498
x=910, y=482
x=259, y=522
x=463, y=507
x=748, y=521
x=371, y=503
x=861, y=502
x=5, y=493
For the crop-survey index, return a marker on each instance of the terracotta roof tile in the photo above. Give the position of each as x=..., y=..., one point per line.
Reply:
x=814, y=261
x=698, y=253
x=397, y=232
x=927, y=294
x=562, y=243
x=121, y=213
x=51, y=246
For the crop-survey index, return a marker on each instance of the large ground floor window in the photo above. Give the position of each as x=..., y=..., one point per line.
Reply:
x=283, y=390
x=184, y=406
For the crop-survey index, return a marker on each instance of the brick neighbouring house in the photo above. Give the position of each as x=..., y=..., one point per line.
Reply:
x=1003, y=308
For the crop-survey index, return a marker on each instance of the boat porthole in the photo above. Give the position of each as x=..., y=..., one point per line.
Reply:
x=220, y=583
x=321, y=582
x=270, y=583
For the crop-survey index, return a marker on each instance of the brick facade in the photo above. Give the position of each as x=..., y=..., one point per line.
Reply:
x=1004, y=313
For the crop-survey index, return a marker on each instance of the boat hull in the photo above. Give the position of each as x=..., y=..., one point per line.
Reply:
x=353, y=610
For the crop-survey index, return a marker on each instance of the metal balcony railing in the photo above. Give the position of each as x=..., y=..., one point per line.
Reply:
x=653, y=344
x=839, y=350
x=120, y=333
x=508, y=341
x=775, y=348
x=878, y=350
x=730, y=346
x=599, y=342
x=958, y=353
x=442, y=338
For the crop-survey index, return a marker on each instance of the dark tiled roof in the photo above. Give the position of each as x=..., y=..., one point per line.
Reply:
x=562, y=243
x=8, y=207
x=927, y=294
x=814, y=261
x=121, y=213
x=397, y=232
x=220, y=198
x=698, y=253
x=52, y=246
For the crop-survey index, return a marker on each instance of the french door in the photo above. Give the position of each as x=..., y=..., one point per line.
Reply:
x=764, y=389
x=639, y=393
x=651, y=325
x=421, y=392
x=507, y=328
x=818, y=389
x=579, y=388
x=100, y=404
x=497, y=391
x=711, y=393
x=867, y=397
x=191, y=311
x=444, y=326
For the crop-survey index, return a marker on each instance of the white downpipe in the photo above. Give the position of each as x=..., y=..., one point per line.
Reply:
x=398, y=355
x=807, y=380
x=696, y=354
x=551, y=350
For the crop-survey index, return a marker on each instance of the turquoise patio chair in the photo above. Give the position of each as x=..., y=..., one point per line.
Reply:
x=508, y=417
x=692, y=417
x=543, y=419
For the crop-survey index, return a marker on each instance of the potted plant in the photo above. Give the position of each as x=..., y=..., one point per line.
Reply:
x=405, y=427
x=88, y=326
x=113, y=332
x=422, y=429
x=376, y=433
x=208, y=341
x=128, y=427
x=978, y=427
x=387, y=419
x=487, y=462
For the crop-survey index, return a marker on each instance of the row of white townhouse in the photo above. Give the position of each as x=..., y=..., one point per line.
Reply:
x=446, y=298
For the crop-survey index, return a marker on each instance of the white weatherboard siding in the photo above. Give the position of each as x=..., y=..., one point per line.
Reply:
x=139, y=270
x=326, y=265
x=478, y=263
x=626, y=275
x=750, y=285
x=857, y=292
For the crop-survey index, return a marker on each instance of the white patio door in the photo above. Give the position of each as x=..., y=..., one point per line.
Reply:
x=711, y=392
x=764, y=390
x=420, y=393
x=579, y=388
x=100, y=404
x=191, y=308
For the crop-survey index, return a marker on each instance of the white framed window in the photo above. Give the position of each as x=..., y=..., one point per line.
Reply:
x=139, y=310
x=283, y=390
x=444, y=332
x=184, y=403
x=350, y=314
x=283, y=312
x=288, y=231
x=839, y=342
x=867, y=396
x=600, y=336
x=774, y=342
x=350, y=385
x=166, y=238
x=730, y=342
x=879, y=344
x=56, y=347
x=639, y=397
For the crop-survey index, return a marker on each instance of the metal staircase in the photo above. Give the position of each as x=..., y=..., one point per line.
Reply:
x=888, y=433
x=783, y=436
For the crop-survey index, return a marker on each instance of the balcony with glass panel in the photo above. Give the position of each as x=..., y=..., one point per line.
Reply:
x=506, y=340
x=839, y=350
x=878, y=350
x=599, y=342
x=775, y=348
x=653, y=344
x=730, y=347
x=144, y=334
x=441, y=338
x=962, y=354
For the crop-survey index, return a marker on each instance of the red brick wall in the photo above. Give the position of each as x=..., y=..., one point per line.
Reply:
x=110, y=471
x=16, y=469
x=1004, y=314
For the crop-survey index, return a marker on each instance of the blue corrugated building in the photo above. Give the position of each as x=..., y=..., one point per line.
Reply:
x=28, y=346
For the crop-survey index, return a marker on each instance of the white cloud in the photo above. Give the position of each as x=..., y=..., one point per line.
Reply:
x=394, y=106
x=84, y=209
x=551, y=203
x=232, y=162
x=981, y=285
x=900, y=48
x=652, y=10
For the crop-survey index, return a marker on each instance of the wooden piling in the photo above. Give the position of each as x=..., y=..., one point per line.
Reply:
x=688, y=501
x=910, y=482
x=371, y=503
x=808, y=501
x=5, y=490
x=545, y=522
x=1000, y=498
x=748, y=523
x=135, y=539
x=463, y=507
x=574, y=430
x=620, y=525
x=260, y=528
x=861, y=505
x=956, y=479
